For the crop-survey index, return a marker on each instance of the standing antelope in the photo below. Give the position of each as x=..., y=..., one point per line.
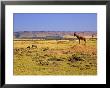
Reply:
x=80, y=37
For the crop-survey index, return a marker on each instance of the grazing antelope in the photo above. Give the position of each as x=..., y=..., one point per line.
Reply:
x=34, y=46
x=28, y=47
x=80, y=37
x=45, y=49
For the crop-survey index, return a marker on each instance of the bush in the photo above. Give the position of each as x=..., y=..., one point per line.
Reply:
x=75, y=58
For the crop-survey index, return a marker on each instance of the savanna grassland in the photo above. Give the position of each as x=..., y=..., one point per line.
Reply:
x=55, y=57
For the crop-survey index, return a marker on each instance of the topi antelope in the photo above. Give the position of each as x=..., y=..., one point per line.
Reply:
x=28, y=47
x=80, y=37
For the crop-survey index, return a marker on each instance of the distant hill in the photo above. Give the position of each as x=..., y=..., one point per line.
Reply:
x=45, y=34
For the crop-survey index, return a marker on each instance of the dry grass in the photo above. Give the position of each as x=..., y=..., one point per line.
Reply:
x=55, y=57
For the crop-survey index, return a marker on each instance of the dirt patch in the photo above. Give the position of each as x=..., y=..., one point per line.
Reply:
x=84, y=49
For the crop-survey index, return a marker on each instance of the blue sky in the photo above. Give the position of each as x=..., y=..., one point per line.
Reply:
x=55, y=22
